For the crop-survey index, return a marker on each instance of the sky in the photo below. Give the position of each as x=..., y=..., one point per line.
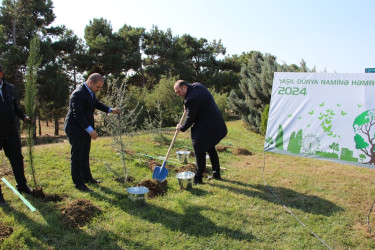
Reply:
x=334, y=36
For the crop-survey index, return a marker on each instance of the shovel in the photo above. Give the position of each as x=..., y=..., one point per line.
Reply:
x=160, y=173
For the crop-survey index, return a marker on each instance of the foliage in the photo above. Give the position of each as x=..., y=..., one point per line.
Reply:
x=222, y=103
x=22, y=20
x=264, y=120
x=33, y=63
x=170, y=105
x=53, y=95
x=255, y=87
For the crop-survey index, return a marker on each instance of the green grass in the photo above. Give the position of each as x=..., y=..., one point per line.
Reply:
x=240, y=212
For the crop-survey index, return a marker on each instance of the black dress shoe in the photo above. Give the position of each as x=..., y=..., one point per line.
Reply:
x=216, y=177
x=23, y=189
x=3, y=203
x=198, y=182
x=93, y=181
x=83, y=188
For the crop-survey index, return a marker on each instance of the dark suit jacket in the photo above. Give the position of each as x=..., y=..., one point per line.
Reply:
x=207, y=125
x=9, y=109
x=81, y=111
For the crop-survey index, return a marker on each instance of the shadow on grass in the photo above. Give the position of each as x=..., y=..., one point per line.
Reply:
x=190, y=221
x=54, y=234
x=307, y=203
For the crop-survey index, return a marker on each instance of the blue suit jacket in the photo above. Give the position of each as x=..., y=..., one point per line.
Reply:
x=81, y=111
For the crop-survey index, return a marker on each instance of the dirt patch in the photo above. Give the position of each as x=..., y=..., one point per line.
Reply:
x=152, y=164
x=155, y=187
x=122, y=180
x=38, y=193
x=78, y=213
x=5, y=170
x=242, y=151
x=189, y=167
x=221, y=148
x=54, y=197
x=5, y=232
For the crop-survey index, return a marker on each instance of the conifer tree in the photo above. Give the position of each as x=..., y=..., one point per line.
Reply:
x=255, y=89
x=33, y=63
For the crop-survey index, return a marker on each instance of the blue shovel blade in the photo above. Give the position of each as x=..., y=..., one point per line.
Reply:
x=160, y=173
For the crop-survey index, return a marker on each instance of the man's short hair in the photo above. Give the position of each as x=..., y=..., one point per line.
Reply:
x=181, y=83
x=95, y=78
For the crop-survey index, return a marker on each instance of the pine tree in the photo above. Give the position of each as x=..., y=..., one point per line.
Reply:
x=255, y=89
x=33, y=63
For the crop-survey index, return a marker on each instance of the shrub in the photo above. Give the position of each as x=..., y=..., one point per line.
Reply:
x=264, y=120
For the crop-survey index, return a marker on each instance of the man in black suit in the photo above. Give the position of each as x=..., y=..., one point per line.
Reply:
x=80, y=129
x=9, y=135
x=207, y=125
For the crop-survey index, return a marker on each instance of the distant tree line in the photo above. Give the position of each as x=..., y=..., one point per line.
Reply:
x=150, y=61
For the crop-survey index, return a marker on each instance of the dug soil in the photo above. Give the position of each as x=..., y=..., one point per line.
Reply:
x=53, y=197
x=155, y=188
x=5, y=232
x=189, y=167
x=78, y=213
x=242, y=151
x=221, y=148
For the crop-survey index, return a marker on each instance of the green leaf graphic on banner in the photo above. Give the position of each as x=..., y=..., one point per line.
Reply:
x=321, y=105
x=343, y=113
x=338, y=105
x=327, y=129
x=311, y=112
x=359, y=106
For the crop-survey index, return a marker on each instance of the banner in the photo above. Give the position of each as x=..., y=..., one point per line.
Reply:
x=320, y=115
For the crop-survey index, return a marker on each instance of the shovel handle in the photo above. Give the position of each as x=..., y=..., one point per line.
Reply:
x=174, y=138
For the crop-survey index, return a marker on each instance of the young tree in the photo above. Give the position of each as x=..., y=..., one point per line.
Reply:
x=33, y=63
x=123, y=124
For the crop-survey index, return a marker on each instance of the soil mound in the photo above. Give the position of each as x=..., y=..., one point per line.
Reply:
x=155, y=187
x=221, y=148
x=5, y=232
x=241, y=151
x=78, y=213
x=189, y=167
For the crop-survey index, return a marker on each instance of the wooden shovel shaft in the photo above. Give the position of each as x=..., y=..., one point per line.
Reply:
x=174, y=138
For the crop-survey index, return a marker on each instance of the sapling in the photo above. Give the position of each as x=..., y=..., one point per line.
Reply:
x=122, y=124
x=33, y=63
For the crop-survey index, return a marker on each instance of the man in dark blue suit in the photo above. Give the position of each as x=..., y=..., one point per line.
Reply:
x=207, y=125
x=80, y=129
x=9, y=135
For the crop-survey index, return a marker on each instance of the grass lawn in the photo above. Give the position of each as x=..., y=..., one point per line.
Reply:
x=239, y=212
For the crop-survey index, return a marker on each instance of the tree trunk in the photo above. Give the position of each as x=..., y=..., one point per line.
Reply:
x=34, y=128
x=56, y=125
x=40, y=126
